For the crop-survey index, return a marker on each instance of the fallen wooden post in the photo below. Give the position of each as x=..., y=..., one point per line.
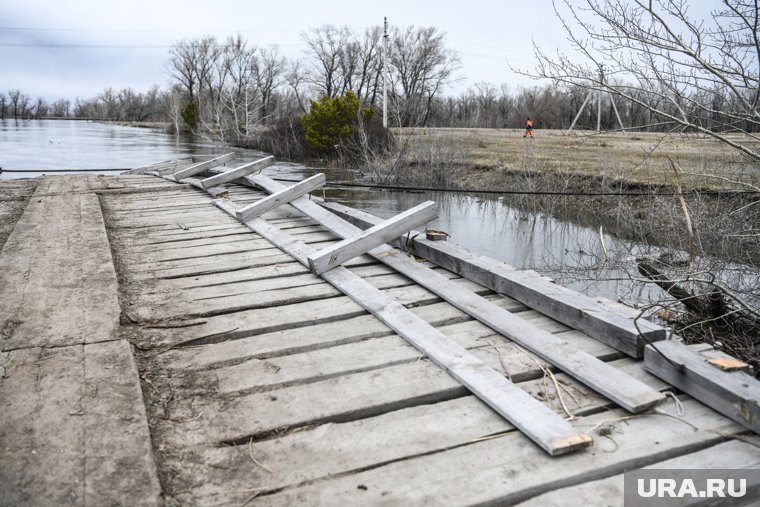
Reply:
x=534, y=419
x=625, y=333
x=364, y=241
x=734, y=394
x=238, y=172
x=158, y=166
x=202, y=166
x=285, y=195
x=629, y=393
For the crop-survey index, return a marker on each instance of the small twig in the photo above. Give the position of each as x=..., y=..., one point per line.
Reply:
x=548, y=373
x=146, y=379
x=250, y=453
x=601, y=240
x=501, y=360
x=637, y=416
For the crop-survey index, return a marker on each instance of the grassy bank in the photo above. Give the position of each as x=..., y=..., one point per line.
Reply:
x=481, y=156
x=623, y=184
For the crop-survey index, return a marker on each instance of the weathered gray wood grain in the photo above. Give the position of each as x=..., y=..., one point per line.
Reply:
x=285, y=195
x=576, y=310
x=547, y=429
x=202, y=166
x=505, y=471
x=364, y=241
x=734, y=394
x=238, y=172
x=628, y=393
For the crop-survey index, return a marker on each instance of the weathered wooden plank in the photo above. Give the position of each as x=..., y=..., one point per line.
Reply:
x=547, y=429
x=268, y=293
x=505, y=471
x=157, y=166
x=351, y=396
x=734, y=394
x=73, y=428
x=202, y=166
x=628, y=393
x=238, y=172
x=58, y=252
x=610, y=491
x=376, y=235
x=570, y=307
x=119, y=464
x=344, y=447
x=310, y=336
x=270, y=202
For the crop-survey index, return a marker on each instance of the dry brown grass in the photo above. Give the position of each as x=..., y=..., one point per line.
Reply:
x=634, y=157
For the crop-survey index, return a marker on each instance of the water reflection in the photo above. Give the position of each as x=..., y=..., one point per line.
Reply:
x=56, y=144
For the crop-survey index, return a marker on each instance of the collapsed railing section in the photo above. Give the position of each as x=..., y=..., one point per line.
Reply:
x=546, y=428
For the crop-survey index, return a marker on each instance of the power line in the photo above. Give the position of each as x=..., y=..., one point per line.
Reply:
x=117, y=46
x=108, y=30
x=718, y=192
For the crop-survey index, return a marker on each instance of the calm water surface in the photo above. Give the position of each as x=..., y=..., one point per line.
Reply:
x=487, y=225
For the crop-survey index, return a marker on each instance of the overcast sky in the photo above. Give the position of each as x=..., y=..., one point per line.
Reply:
x=76, y=48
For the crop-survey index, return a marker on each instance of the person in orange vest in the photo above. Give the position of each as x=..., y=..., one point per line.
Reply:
x=528, y=128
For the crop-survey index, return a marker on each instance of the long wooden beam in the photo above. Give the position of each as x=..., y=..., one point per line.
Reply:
x=363, y=241
x=629, y=393
x=202, y=166
x=238, y=172
x=283, y=196
x=546, y=428
x=735, y=394
x=626, y=333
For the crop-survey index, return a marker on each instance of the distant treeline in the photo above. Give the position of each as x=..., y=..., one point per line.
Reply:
x=232, y=90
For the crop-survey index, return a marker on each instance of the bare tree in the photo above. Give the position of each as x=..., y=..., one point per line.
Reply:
x=19, y=103
x=330, y=69
x=181, y=66
x=41, y=108
x=421, y=67
x=268, y=72
x=110, y=101
x=699, y=74
x=61, y=108
x=3, y=105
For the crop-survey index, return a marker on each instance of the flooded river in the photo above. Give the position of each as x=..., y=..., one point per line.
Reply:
x=580, y=257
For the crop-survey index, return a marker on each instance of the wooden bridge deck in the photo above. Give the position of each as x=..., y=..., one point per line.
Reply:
x=155, y=350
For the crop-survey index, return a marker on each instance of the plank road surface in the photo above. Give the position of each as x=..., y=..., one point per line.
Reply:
x=155, y=351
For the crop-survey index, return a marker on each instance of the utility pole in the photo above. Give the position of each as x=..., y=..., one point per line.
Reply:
x=385, y=72
x=599, y=95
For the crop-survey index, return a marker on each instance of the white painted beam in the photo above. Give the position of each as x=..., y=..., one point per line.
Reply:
x=286, y=195
x=202, y=166
x=340, y=252
x=238, y=172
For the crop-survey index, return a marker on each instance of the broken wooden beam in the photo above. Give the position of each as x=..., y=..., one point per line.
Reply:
x=238, y=172
x=284, y=196
x=629, y=393
x=202, y=166
x=534, y=419
x=158, y=166
x=364, y=241
x=626, y=333
x=735, y=394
